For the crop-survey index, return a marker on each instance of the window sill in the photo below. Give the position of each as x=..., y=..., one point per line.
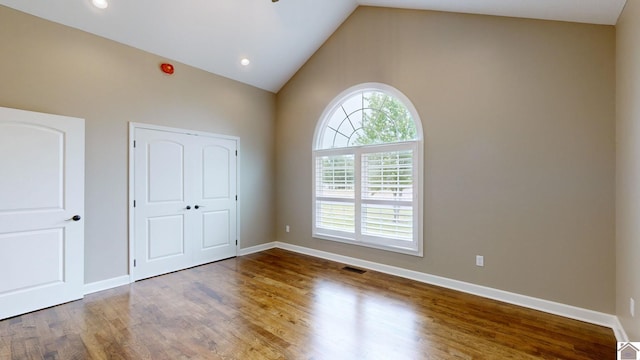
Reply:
x=396, y=249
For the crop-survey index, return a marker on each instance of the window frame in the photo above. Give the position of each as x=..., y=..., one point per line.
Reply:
x=416, y=146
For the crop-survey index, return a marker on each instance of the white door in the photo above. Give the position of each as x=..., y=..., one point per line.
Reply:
x=185, y=201
x=41, y=210
x=214, y=198
x=160, y=203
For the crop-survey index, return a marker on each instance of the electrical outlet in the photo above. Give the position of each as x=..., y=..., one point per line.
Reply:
x=632, y=307
x=287, y=228
x=479, y=260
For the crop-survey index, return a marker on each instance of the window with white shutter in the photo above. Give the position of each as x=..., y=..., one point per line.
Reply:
x=367, y=171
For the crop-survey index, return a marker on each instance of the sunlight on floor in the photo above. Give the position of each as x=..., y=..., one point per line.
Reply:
x=364, y=324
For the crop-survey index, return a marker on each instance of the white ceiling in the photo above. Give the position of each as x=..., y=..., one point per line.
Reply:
x=278, y=38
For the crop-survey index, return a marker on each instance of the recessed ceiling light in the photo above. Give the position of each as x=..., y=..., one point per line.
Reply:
x=100, y=4
x=245, y=62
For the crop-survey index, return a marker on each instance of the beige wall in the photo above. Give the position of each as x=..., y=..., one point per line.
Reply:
x=628, y=167
x=519, y=152
x=55, y=69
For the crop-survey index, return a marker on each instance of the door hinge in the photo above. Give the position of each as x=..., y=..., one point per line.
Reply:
x=134, y=262
x=134, y=203
x=236, y=197
x=236, y=152
x=236, y=242
x=134, y=143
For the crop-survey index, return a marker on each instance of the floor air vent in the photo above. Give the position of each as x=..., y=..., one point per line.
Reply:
x=355, y=270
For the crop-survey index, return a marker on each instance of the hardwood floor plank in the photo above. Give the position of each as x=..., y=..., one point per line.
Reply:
x=281, y=305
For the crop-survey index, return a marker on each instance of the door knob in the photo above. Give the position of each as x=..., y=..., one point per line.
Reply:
x=188, y=207
x=198, y=206
x=75, y=218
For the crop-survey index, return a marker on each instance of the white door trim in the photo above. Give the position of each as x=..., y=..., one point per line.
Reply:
x=136, y=125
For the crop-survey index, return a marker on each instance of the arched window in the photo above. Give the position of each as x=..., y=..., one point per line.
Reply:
x=368, y=170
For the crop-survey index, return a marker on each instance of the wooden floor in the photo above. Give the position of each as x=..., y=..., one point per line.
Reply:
x=281, y=305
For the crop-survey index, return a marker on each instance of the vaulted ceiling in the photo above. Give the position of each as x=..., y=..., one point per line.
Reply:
x=276, y=37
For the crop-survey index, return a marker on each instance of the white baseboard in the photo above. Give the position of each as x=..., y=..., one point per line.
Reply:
x=618, y=330
x=551, y=307
x=125, y=280
x=106, y=284
x=547, y=306
x=257, y=248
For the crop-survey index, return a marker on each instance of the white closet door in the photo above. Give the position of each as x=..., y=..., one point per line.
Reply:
x=160, y=203
x=214, y=197
x=41, y=210
x=183, y=215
